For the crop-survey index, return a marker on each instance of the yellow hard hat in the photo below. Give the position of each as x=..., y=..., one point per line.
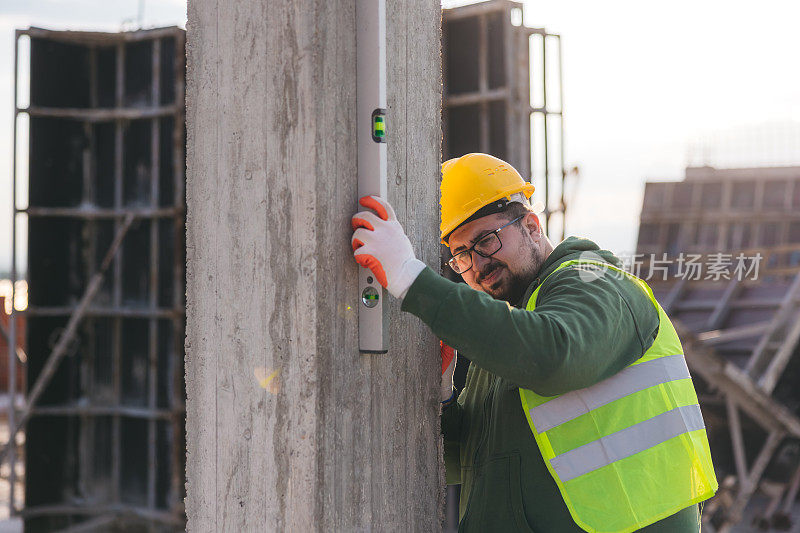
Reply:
x=473, y=181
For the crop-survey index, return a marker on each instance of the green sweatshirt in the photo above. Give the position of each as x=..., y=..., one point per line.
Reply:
x=579, y=334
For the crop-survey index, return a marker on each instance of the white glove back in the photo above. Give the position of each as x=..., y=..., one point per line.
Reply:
x=380, y=244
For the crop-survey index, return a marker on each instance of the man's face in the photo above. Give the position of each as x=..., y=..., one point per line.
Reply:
x=506, y=274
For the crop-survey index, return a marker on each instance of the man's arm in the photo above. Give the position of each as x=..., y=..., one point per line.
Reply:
x=579, y=334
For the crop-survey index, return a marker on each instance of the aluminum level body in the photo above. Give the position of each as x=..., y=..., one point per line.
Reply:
x=371, y=96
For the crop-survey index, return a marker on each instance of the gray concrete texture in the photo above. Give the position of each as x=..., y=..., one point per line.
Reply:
x=289, y=428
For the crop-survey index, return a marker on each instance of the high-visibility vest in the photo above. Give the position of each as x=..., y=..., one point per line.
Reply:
x=632, y=449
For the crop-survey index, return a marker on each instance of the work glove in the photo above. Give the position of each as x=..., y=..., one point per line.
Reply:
x=449, y=357
x=380, y=244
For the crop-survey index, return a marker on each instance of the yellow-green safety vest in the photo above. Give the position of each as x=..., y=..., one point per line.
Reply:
x=632, y=449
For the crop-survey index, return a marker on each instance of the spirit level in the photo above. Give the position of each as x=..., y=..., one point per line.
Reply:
x=371, y=130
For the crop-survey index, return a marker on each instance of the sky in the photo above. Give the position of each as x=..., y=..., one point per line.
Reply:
x=645, y=83
x=648, y=88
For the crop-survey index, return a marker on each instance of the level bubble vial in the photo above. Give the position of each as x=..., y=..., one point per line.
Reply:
x=370, y=297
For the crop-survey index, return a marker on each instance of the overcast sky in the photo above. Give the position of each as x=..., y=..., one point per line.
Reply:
x=643, y=82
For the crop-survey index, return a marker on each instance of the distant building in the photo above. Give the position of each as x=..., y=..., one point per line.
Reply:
x=751, y=210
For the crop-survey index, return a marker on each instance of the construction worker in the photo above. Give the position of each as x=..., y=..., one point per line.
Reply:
x=578, y=411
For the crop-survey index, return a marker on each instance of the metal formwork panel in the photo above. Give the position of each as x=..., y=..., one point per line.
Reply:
x=104, y=441
x=488, y=101
x=485, y=69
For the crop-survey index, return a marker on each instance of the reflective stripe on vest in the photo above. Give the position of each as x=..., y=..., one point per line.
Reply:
x=631, y=379
x=626, y=442
x=632, y=449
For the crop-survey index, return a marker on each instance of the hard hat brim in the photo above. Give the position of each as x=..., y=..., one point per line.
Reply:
x=527, y=189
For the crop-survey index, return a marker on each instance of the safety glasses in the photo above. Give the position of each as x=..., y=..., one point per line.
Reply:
x=486, y=246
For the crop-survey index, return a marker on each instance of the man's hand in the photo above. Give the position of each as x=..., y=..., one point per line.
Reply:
x=449, y=357
x=380, y=244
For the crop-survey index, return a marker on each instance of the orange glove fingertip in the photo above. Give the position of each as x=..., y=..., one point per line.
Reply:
x=368, y=261
x=361, y=223
x=372, y=203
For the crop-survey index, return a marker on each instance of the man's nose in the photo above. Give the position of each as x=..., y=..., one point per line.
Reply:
x=479, y=262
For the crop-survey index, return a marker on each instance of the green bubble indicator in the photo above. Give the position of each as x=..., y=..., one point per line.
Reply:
x=370, y=297
x=379, y=125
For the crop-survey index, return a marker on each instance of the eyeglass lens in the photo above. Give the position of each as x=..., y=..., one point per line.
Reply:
x=488, y=245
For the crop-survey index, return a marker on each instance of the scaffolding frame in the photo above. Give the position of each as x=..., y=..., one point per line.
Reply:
x=122, y=216
x=514, y=94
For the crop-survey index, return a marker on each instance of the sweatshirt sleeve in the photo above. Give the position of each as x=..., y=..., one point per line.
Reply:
x=579, y=334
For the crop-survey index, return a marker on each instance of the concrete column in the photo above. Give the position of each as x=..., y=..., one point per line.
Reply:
x=289, y=428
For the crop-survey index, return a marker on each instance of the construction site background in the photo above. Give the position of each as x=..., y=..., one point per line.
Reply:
x=123, y=148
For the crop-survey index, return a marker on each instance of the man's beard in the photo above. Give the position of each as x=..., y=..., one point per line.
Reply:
x=513, y=287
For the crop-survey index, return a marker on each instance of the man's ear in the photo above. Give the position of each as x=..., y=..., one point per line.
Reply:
x=533, y=225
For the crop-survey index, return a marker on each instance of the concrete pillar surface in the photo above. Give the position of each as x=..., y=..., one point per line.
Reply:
x=289, y=428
